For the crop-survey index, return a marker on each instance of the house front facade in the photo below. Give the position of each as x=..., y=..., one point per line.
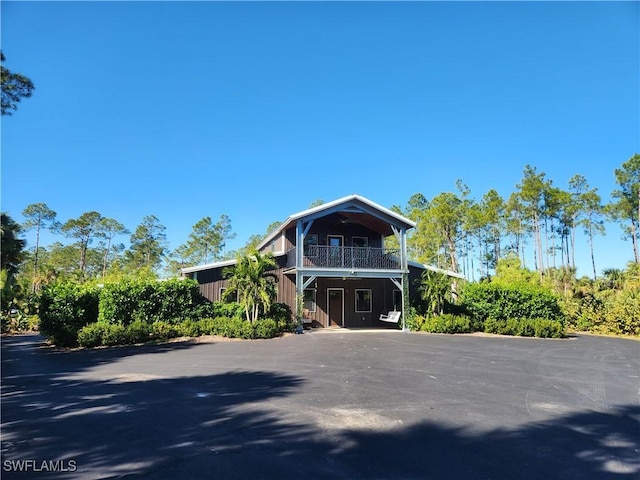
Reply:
x=344, y=263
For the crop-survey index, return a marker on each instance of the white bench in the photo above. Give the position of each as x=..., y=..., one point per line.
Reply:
x=392, y=317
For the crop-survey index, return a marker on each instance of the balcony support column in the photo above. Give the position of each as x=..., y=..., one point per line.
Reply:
x=401, y=236
x=299, y=274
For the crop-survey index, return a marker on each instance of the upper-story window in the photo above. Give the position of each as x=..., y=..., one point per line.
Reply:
x=360, y=242
x=310, y=245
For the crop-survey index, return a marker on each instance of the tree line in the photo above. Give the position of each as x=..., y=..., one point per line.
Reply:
x=538, y=220
x=454, y=232
x=96, y=250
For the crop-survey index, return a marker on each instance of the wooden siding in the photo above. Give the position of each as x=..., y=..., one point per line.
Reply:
x=333, y=225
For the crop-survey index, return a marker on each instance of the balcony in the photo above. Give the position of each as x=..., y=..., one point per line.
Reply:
x=352, y=258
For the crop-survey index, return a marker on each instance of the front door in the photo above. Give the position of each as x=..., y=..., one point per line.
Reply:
x=335, y=309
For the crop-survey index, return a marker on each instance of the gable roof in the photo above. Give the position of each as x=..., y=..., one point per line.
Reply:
x=351, y=203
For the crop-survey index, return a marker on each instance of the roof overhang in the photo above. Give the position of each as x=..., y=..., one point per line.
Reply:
x=221, y=264
x=449, y=273
x=352, y=205
x=209, y=266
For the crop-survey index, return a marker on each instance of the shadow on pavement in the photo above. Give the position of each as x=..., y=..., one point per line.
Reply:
x=224, y=426
x=24, y=349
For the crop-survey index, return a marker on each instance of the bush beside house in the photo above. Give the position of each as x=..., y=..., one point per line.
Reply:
x=65, y=308
x=520, y=310
x=129, y=312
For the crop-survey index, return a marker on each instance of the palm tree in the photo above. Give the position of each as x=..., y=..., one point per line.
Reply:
x=254, y=283
x=436, y=291
x=612, y=278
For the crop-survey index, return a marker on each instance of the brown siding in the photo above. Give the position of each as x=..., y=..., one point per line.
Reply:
x=211, y=282
x=328, y=226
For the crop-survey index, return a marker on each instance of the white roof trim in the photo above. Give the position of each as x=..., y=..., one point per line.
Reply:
x=332, y=204
x=208, y=266
x=436, y=269
x=223, y=263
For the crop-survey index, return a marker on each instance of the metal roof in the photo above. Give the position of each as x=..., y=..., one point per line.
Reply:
x=330, y=206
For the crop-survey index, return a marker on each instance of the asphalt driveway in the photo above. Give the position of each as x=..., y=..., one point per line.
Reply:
x=337, y=404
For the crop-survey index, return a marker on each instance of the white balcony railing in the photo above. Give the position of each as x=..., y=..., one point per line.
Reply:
x=324, y=256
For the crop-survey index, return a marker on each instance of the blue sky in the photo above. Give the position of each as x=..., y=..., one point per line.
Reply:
x=254, y=110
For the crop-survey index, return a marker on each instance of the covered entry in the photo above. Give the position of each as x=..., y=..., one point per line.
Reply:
x=350, y=302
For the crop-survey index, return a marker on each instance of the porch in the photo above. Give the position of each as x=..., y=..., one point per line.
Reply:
x=347, y=258
x=349, y=302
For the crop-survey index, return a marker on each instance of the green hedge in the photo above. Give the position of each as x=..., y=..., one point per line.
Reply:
x=445, y=323
x=65, y=308
x=538, y=327
x=501, y=302
x=106, y=334
x=449, y=323
x=171, y=301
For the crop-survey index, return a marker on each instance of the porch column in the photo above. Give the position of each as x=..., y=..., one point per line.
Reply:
x=404, y=264
x=299, y=273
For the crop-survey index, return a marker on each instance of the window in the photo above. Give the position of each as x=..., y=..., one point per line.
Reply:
x=309, y=300
x=230, y=299
x=361, y=242
x=397, y=300
x=363, y=300
x=311, y=245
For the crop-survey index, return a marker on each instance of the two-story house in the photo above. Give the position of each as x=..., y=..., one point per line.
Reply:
x=346, y=259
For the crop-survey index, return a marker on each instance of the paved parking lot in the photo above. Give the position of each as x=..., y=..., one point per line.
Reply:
x=331, y=404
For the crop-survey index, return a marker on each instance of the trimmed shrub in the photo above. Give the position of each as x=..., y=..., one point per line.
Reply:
x=114, y=334
x=536, y=327
x=228, y=327
x=170, y=301
x=206, y=326
x=189, y=328
x=548, y=328
x=503, y=302
x=164, y=331
x=138, y=332
x=266, y=328
x=239, y=328
x=64, y=309
x=413, y=320
x=446, y=323
x=91, y=335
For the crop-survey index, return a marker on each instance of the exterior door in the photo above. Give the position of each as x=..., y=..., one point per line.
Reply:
x=335, y=310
